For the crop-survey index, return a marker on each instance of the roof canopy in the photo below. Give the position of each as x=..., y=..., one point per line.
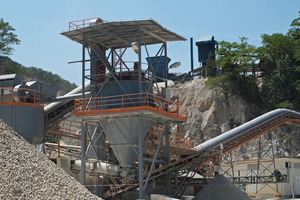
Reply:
x=121, y=34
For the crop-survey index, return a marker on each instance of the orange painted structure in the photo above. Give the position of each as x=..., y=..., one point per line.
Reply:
x=127, y=103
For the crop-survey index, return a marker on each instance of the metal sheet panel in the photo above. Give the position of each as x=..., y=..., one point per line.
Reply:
x=121, y=34
x=28, y=121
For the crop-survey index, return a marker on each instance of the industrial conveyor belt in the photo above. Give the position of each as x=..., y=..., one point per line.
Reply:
x=231, y=140
x=250, y=130
x=56, y=110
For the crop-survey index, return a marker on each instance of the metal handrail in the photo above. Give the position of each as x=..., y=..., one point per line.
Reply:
x=10, y=95
x=128, y=102
x=67, y=128
x=78, y=24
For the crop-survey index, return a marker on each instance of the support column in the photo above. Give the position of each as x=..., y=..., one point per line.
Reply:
x=167, y=152
x=167, y=68
x=83, y=134
x=140, y=62
x=83, y=67
x=83, y=149
x=141, y=161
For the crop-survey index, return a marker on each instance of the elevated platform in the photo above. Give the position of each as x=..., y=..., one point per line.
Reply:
x=144, y=105
x=119, y=34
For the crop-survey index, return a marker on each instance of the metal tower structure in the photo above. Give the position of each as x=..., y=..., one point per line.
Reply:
x=125, y=122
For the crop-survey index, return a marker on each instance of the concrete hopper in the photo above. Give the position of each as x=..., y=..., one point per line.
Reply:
x=123, y=136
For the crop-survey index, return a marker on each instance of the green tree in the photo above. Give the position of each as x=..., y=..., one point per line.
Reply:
x=280, y=62
x=7, y=38
x=236, y=59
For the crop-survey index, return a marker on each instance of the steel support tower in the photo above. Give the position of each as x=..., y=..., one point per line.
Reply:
x=125, y=121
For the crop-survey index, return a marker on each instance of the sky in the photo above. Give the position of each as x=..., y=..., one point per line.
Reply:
x=38, y=24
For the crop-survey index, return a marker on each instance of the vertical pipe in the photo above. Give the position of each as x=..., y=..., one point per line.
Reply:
x=167, y=150
x=83, y=142
x=83, y=147
x=192, y=55
x=140, y=62
x=141, y=160
x=166, y=61
x=83, y=67
x=167, y=139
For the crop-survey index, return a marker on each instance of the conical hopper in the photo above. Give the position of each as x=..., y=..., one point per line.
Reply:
x=123, y=136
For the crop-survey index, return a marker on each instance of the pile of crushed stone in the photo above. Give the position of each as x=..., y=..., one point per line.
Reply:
x=26, y=173
x=220, y=188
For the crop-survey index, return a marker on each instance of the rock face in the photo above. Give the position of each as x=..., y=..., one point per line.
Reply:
x=26, y=173
x=210, y=112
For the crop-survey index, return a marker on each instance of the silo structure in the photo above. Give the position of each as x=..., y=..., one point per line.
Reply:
x=22, y=108
x=122, y=101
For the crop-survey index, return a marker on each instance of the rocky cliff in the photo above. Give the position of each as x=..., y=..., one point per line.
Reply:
x=211, y=112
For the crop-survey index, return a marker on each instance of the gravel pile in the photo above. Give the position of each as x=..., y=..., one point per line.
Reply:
x=26, y=173
x=220, y=188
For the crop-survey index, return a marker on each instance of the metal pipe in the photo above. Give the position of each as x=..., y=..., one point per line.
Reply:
x=69, y=97
x=98, y=167
x=141, y=161
x=53, y=105
x=83, y=148
x=83, y=124
x=140, y=61
x=229, y=135
x=192, y=56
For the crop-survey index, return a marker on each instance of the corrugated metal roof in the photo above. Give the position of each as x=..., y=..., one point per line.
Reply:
x=122, y=33
x=8, y=76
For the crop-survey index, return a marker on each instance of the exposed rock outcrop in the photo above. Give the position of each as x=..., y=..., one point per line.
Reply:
x=211, y=112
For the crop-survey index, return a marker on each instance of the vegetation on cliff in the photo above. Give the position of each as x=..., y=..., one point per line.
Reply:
x=278, y=59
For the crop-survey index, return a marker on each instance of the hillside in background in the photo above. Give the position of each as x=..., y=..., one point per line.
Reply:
x=8, y=66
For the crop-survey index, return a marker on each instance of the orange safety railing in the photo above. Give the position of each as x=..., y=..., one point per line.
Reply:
x=128, y=102
x=67, y=128
x=21, y=96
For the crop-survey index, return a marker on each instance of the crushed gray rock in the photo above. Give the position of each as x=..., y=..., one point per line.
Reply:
x=26, y=173
x=220, y=188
